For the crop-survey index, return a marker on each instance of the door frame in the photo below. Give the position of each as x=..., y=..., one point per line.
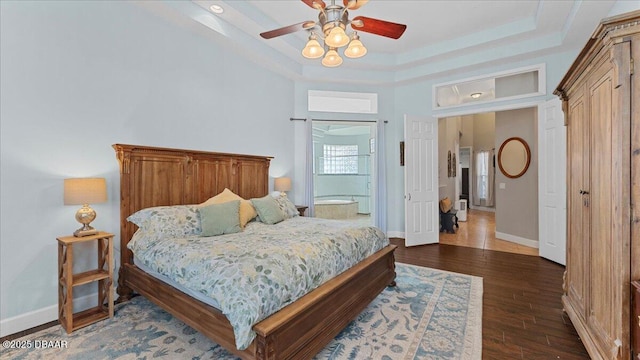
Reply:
x=470, y=179
x=471, y=110
x=373, y=159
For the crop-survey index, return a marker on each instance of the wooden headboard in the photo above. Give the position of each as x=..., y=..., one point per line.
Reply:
x=155, y=176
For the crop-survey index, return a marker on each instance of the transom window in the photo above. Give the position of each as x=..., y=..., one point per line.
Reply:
x=340, y=159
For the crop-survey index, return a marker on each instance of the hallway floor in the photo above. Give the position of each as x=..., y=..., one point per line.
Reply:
x=479, y=231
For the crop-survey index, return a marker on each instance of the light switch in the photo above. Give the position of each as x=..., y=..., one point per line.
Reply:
x=503, y=186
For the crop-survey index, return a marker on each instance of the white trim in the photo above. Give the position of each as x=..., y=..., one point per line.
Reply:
x=517, y=239
x=482, y=208
x=342, y=102
x=542, y=86
x=42, y=316
x=395, y=234
x=479, y=110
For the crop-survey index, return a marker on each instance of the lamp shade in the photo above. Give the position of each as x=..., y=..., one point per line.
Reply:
x=355, y=49
x=282, y=184
x=332, y=58
x=82, y=191
x=312, y=50
x=336, y=37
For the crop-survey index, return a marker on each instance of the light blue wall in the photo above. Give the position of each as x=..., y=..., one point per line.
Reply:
x=78, y=77
x=416, y=98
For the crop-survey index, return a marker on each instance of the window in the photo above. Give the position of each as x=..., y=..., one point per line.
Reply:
x=482, y=170
x=340, y=159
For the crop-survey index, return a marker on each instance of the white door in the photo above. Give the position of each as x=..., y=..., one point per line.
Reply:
x=421, y=180
x=552, y=185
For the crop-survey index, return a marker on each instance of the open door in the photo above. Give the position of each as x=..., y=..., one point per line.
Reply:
x=421, y=180
x=552, y=185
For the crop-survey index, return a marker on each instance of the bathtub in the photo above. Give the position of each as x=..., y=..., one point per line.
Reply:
x=336, y=209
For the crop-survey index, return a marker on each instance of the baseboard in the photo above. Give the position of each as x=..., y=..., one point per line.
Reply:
x=517, y=239
x=395, y=234
x=38, y=317
x=482, y=208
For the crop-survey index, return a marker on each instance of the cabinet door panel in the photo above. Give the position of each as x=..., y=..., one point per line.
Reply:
x=577, y=239
x=604, y=297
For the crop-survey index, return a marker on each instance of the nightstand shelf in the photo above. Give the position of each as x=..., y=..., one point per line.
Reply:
x=90, y=276
x=67, y=280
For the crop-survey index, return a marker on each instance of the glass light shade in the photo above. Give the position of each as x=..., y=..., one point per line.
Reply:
x=355, y=49
x=332, y=59
x=336, y=37
x=312, y=50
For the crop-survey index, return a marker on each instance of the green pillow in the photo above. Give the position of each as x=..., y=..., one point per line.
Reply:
x=218, y=219
x=268, y=210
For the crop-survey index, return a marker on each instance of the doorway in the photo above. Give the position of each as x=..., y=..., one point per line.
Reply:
x=344, y=161
x=476, y=138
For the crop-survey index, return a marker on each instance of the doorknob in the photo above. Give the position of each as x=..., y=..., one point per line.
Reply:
x=409, y=196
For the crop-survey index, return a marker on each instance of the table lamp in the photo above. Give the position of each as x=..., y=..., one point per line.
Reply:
x=282, y=184
x=85, y=191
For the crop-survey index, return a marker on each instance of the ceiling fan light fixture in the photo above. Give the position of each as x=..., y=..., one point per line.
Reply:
x=313, y=49
x=355, y=49
x=336, y=37
x=334, y=29
x=332, y=58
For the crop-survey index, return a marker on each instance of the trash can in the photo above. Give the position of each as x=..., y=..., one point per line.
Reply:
x=462, y=210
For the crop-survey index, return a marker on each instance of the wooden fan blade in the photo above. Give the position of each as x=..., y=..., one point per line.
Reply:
x=354, y=4
x=378, y=27
x=288, y=29
x=316, y=4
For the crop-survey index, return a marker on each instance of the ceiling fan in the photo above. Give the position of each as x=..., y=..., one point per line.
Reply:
x=331, y=25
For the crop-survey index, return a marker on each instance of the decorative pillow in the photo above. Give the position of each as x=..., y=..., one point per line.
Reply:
x=247, y=212
x=268, y=210
x=286, y=206
x=218, y=219
x=168, y=221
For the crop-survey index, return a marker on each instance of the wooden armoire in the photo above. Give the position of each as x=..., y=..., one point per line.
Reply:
x=601, y=101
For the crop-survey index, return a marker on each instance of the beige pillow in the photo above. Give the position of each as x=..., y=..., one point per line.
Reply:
x=247, y=211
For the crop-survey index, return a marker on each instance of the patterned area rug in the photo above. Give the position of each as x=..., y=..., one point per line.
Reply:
x=430, y=314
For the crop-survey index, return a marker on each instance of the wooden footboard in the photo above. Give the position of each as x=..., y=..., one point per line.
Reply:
x=299, y=330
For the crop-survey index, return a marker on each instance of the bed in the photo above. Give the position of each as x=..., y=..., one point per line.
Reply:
x=153, y=176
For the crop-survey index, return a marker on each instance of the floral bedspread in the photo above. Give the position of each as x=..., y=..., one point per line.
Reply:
x=255, y=273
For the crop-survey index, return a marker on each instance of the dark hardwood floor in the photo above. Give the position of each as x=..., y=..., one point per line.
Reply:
x=522, y=315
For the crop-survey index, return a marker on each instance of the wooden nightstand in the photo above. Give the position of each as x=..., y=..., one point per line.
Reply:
x=67, y=280
x=301, y=209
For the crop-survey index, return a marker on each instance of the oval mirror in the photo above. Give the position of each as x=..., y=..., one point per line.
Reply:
x=514, y=157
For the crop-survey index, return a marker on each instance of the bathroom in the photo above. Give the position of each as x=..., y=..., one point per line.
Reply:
x=343, y=158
